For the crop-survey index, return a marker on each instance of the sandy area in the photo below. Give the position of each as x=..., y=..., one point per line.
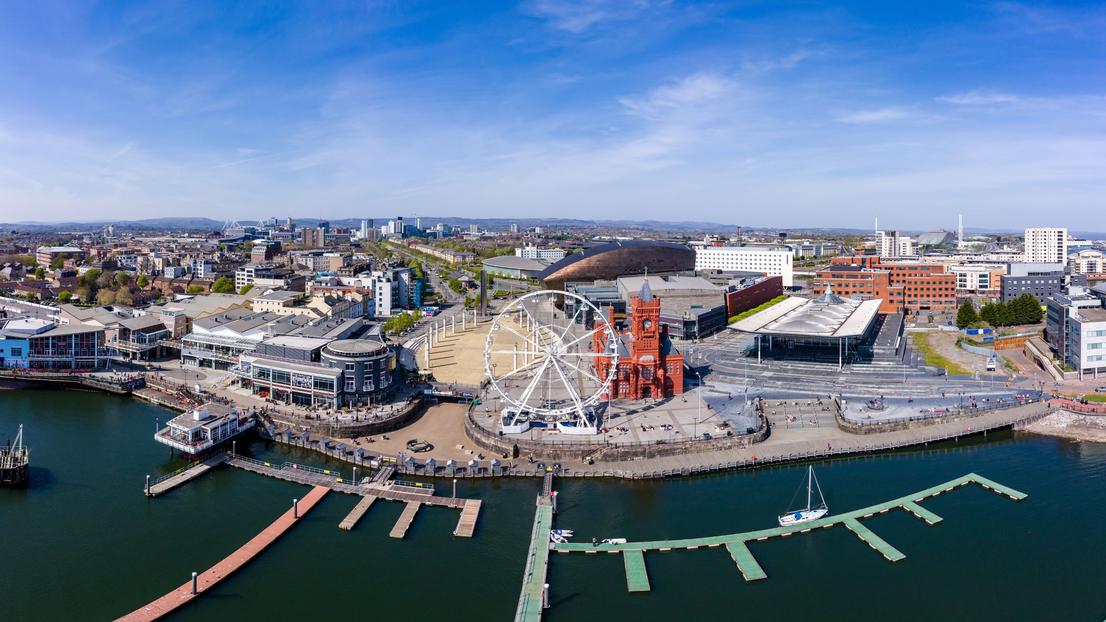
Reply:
x=442, y=425
x=1067, y=425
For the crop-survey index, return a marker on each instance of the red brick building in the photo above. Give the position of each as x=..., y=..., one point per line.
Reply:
x=903, y=286
x=738, y=300
x=648, y=364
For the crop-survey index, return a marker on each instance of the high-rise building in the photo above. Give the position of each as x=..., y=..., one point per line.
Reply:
x=1046, y=245
x=474, y=228
x=514, y=227
x=1088, y=261
x=892, y=244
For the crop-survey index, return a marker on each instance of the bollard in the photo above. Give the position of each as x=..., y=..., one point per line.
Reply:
x=194, y=590
x=455, y=488
x=233, y=447
x=554, y=497
x=545, y=596
x=147, y=485
x=295, y=508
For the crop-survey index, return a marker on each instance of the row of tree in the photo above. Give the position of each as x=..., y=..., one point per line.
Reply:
x=1022, y=310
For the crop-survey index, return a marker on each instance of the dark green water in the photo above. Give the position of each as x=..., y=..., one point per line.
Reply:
x=83, y=543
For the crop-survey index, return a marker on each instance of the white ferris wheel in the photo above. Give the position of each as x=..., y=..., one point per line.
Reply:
x=540, y=358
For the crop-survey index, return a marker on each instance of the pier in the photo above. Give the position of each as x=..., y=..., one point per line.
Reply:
x=533, y=598
x=356, y=513
x=403, y=523
x=466, y=524
x=633, y=553
x=411, y=493
x=170, y=481
x=212, y=576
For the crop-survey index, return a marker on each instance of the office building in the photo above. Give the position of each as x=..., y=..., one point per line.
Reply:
x=1040, y=279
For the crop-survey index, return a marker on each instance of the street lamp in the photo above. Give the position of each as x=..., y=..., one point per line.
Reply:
x=699, y=405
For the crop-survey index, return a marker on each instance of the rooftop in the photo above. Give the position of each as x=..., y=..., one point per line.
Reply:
x=828, y=316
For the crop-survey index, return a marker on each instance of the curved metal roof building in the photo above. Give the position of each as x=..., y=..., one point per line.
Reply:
x=610, y=261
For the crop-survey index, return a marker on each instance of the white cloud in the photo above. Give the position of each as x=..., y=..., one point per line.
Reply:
x=979, y=98
x=690, y=91
x=876, y=116
x=578, y=16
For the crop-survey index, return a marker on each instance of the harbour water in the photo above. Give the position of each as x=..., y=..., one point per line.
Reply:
x=86, y=543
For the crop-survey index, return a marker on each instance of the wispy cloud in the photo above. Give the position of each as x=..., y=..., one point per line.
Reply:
x=979, y=98
x=876, y=116
x=690, y=91
x=578, y=16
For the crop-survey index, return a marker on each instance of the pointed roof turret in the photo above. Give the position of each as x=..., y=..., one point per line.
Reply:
x=646, y=292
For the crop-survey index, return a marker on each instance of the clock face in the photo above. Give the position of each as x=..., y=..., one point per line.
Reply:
x=647, y=324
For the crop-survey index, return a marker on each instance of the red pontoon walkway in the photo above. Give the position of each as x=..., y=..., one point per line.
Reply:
x=212, y=576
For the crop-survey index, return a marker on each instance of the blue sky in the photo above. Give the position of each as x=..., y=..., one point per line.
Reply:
x=754, y=113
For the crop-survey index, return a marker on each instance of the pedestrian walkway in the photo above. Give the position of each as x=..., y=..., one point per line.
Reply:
x=185, y=475
x=211, y=577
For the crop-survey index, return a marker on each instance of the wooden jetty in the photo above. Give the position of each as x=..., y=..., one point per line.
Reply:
x=168, y=482
x=407, y=492
x=405, y=519
x=737, y=544
x=466, y=524
x=211, y=577
x=358, y=511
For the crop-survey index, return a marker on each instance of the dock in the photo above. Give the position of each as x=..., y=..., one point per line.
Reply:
x=532, y=599
x=405, y=519
x=746, y=564
x=378, y=487
x=737, y=544
x=637, y=578
x=212, y=576
x=168, y=482
x=358, y=511
x=466, y=524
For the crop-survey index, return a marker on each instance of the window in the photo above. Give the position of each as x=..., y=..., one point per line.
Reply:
x=351, y=367
x=351, y=386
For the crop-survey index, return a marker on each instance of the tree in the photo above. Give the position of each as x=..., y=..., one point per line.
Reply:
x=195, y=289
x=105, y=279
x=122, y=279
x=85, y=293
x=59, y=261
x=124, y=297
x=40, y=273
x=222, y=285
x=90, y=278
x=967, y=315
x=1026, y=310
x=64, y=297
x=143, y=281
x=246, y=289
x=105, y=297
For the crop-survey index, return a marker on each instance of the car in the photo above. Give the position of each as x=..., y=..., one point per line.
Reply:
x=1100, y=389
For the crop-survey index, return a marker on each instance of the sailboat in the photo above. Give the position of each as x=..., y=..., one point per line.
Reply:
x=811, y=511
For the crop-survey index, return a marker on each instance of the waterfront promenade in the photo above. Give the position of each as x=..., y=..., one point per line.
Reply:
x=212, y=576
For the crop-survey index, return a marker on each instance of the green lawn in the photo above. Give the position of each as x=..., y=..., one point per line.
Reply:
x=933, y=358
x=756, y=309
x=1095, y=397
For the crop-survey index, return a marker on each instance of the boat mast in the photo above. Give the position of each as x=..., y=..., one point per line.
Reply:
x=809, y=483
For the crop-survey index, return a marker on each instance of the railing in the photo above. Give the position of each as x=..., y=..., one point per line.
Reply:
x=167, y=476
x=407, y=484
x=950, y=412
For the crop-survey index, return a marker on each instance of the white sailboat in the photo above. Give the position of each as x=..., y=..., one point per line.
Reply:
x=811, y=511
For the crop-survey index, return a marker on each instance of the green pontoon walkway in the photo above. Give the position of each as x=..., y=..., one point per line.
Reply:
x=736, y=544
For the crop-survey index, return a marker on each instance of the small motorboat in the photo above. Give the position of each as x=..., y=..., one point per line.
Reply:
x=812, y=511
x=615, y=541
x=560, y=536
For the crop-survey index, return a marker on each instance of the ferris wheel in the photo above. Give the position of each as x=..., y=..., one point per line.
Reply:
x=540, y=358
